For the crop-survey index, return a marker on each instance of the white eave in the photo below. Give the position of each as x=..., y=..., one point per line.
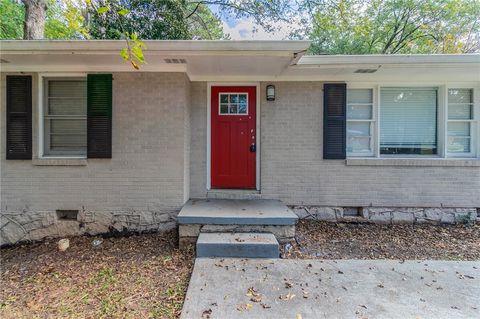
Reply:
x=235, y=61
x=421, y=68
x=390, y=59
x=153, y=46
x=199, y=59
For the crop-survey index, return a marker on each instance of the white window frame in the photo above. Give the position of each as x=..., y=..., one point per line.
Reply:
x=442, y=118
x=372, y=121
x=41, y=111
x=473, y=126
x=229, y=114
x=440, y=115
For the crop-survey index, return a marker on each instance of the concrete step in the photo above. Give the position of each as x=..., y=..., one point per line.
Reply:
x=241, y=245
x=233, y=194
x=236, y=212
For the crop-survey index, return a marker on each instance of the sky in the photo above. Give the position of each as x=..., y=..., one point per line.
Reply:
x=247, y=29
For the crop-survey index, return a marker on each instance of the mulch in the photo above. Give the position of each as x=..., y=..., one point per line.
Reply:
x=146, y=276
x=141, y=276
x=323, y=240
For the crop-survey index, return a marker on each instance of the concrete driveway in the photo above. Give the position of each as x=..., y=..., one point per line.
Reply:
x=301, y=289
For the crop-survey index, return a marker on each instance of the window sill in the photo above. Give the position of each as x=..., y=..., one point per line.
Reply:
x=60, y=162
x=413, y=162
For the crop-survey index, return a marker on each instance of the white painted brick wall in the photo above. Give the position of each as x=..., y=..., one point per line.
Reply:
x=198, y=147
x=293, y=170
x=151, y=134
x=146, y=172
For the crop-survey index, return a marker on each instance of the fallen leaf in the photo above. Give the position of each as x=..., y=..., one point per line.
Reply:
x=252, y=292
x=256, y=299
x=206, y=313
x=288, y=296
x=246, y=306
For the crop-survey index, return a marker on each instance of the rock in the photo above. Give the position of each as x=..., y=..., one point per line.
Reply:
x=96, y=243
x=324, y=213
x=63, y=244
x=301, y=212
x=448, y=218
x=433, y=214
x=419, y=214
x=465, y=216
x=11, y=233
x=161, y=217
x=339, y=211
x=403, y=217
x=381, y=217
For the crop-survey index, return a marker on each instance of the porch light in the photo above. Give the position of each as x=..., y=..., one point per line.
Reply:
x=270, y=92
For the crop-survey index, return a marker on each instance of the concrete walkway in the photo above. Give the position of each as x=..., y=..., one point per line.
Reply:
x=276, y=288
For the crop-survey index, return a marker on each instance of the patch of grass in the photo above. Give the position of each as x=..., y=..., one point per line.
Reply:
x=111, y=304
x=106, y=277
x=141, y=276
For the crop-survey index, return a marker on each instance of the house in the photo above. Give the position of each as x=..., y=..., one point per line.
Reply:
x=90, y=145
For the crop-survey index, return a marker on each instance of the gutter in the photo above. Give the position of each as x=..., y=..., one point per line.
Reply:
x=390, y=59
x=162, y=46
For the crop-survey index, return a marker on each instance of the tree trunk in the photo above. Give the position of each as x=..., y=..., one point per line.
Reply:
x=35, y=14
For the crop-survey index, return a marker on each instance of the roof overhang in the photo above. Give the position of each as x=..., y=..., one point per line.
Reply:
x=199, y=59
x=397, y=67
x=235, y=61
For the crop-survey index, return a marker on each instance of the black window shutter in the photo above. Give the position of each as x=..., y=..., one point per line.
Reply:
x=19, y=117
x=334, y=120
x=99, y=116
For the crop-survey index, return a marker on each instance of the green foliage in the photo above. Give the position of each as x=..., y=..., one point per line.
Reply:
x=396, y=26
x=149, y=19
x=11, y=20
x=64, y=21
x=203, y=23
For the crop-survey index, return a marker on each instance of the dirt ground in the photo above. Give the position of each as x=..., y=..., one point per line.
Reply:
x=146, y=276
x=323, y=240
x=142, y=276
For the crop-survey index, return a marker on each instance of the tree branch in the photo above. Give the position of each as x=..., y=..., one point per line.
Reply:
x=194, y=10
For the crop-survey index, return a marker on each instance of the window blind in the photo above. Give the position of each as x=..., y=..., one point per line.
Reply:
x=459, y=127
x=359, y=122
x=65, y=117
x=408, y=120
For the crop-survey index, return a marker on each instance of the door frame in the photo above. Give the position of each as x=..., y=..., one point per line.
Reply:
x=209, y=129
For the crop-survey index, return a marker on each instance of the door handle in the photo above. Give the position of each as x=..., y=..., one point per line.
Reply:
x=253, y=148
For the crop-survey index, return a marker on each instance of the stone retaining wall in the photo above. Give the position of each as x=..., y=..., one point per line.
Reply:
x=389, y=215
x=31, y=226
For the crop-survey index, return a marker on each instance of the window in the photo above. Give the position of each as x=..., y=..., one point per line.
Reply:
x=233, y=103
x=460, y=122
x=408, y=121
x=65, y=117
x=360, y=123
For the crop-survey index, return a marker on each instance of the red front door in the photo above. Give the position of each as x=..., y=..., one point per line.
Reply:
x=233, y=136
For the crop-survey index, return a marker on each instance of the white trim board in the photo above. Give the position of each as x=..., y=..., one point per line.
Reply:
x=40, y=110
x=209, y=129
